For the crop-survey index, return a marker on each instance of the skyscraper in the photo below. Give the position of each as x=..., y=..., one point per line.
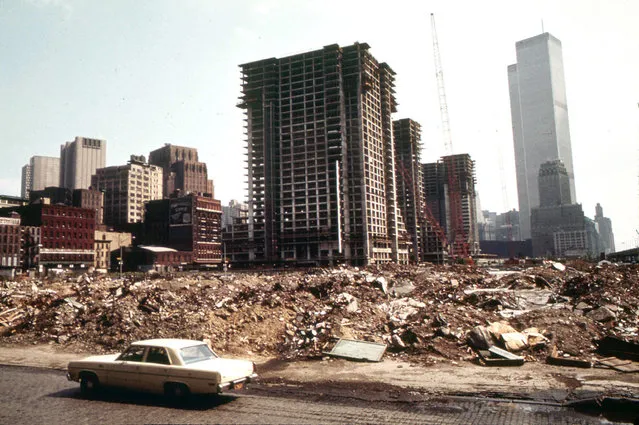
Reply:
x=39, y=173
x=540, y=118
x=183, y=173
x=79, y=160
x=321, y=158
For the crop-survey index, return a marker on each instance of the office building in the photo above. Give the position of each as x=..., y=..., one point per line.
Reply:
x=40, y=172
x=183, y=172
x=321, y=159
x=79, y=160
x=539, y=113
x=604, y=225
x=126, y=188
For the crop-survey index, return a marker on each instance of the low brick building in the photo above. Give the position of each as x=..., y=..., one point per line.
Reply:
x=10, y=242
x=66, y=234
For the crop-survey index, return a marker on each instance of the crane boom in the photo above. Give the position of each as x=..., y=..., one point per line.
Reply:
x=443, y=104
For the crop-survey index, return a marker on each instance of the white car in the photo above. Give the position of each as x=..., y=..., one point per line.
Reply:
x=175, y=367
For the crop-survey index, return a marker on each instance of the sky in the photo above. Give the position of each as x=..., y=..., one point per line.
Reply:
x=147, y=72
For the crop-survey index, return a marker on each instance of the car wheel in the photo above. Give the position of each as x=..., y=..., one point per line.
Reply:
x=177, y=393
x=89, y=384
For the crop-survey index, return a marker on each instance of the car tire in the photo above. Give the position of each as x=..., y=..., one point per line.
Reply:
x=89, y=384
x=176, y=393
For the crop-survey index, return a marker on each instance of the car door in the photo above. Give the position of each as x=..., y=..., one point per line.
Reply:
x=126, y=370
x=154, y=370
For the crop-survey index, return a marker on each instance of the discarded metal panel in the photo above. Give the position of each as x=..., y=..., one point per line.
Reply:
x=505, y=354
x=358, y=350
x=491, y=359
x=562, y=361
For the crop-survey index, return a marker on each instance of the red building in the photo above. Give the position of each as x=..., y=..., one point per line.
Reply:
x=10, y=242
x=66, y=234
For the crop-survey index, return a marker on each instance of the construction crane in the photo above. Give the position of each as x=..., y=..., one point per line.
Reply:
x=458, y=242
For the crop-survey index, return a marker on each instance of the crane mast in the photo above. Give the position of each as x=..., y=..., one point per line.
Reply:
x=457, y=240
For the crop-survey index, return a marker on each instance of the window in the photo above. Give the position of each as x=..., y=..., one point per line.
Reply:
x=132, y=354
x=157, y=355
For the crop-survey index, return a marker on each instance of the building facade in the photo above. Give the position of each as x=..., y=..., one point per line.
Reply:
x=183, y=172
x=126, y=189
x=190, y=223
x=66, y=234
x=79, y=160
x=321, y=158
x=540, y=118
x=39, y=173
x=10, y=242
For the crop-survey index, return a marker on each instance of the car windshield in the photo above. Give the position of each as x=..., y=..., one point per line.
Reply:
x=197, y=353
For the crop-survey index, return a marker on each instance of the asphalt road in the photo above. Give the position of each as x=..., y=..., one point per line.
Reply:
x=37, y=396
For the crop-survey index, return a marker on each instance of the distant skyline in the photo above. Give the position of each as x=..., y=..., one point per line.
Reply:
x=144, y=73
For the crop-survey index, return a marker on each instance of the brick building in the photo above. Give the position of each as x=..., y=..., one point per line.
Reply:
x=189, y=224
x=66, y=234
x=10, y=242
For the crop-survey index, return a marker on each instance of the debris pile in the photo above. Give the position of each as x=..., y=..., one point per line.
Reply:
x=422, y=312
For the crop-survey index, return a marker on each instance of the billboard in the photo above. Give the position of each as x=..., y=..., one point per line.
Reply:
x=180, y=213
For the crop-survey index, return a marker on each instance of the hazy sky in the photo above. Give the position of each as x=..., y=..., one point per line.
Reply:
x=143, y=73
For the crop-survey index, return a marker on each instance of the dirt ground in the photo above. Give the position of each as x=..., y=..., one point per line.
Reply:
x=403, y=380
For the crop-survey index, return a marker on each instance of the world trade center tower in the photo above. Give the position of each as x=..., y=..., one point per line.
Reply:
x=540, y=118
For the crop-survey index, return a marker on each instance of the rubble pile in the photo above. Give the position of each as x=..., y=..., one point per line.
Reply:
x=424, y=312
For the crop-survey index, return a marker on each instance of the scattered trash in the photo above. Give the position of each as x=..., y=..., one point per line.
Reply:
x=495, y=356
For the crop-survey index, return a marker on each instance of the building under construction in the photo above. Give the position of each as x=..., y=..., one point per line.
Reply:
x=321, y=159
x=410, y=192
x=449, y=192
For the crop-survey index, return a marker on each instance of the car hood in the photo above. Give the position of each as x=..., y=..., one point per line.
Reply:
x=101, y=358
x=229, y=368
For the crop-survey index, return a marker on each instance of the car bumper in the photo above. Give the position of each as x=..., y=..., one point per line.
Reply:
x=237, y=384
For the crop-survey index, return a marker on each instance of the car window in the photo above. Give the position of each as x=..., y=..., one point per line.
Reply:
x=157, y=355
x=196, y=353
x=134, y=353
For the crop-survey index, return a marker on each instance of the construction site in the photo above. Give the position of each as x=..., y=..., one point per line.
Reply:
x=333, y=179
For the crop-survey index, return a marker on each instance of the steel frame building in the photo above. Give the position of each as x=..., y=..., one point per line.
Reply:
x=321, y=159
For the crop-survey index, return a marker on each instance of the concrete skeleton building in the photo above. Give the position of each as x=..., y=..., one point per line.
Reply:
x=40, y=172
x=126, y=189
x=437, y=194
x=410, y=192
x=539, y=113
x=321, y=159
x=182, y=171
x=79, y=160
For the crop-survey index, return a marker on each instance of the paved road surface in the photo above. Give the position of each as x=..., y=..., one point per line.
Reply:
x=30, y=395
